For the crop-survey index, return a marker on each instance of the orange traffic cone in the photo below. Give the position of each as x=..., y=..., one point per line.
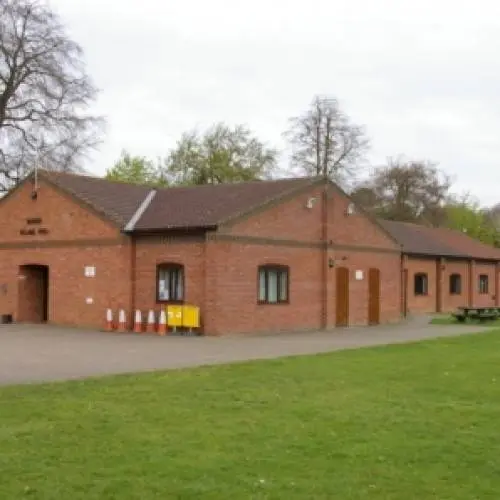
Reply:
x=162, y=324
x=122, y=321
x=151, y=322
x=108, y=327
x=138, y=322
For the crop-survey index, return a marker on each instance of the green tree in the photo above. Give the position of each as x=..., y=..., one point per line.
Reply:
x=135, y=170
x=407, y=191
x=221, y=154
x=465, y=214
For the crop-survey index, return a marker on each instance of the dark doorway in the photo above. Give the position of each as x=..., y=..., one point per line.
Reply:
x=374, y=296
x=33, y=294
x=342, y=296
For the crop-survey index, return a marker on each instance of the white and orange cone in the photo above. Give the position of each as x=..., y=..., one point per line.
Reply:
x=162, y=324
x=122, y=321
x=151, y=322
x=108, y=327
x=138, y=322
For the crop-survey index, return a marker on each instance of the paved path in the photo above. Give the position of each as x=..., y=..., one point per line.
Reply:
x=45, y=353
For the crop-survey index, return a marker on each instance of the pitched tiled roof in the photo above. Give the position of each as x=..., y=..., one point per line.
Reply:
x=422, y=240
x=115, y=200
x=210, y=205
x=177, y=207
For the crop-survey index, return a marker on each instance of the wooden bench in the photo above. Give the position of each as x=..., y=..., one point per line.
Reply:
x=478, y=313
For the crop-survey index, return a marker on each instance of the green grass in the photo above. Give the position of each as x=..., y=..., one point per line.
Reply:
x=401, y=422
x=450, y=320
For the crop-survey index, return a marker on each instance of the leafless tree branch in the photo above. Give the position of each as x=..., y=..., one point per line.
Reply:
x=44, y=94
x=325, y=142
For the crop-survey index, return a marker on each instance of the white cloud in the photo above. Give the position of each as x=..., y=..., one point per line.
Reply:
x=422, y=76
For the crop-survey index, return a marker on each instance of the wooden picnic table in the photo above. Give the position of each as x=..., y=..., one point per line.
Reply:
x=480, y=313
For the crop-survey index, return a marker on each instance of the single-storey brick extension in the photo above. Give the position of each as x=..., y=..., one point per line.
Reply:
x=263, y=256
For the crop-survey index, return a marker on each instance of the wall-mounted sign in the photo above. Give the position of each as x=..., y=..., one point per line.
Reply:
x=89, y=271
x=359, y=275
x=31, y=231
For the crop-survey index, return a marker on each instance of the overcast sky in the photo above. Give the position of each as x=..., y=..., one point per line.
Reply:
x=423, y=77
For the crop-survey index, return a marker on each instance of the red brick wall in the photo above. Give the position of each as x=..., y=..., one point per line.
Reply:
x=417, y=303
x=390, y=286
x=427, y=304
x=292, y=220
x=451, y=302
x=61, y=215
x=354, y=229
x=488, y=299
x=236, y=263
x=287, y=220
x=154, y=250
x=76, y=238
x=235, y=297
x=234, y=289
x=69, y=289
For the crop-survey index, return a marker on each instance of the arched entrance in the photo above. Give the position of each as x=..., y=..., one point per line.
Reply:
x=33, y=306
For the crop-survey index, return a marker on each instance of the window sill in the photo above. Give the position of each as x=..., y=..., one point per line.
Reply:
x=263, y=303
x=173, y=302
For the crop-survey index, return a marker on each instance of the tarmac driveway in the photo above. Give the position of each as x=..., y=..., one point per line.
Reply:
x=45, y=353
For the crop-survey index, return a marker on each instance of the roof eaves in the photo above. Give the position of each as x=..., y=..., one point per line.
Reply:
x=167, y=228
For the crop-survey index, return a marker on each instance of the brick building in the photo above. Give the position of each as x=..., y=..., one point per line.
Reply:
x=290, y=254
x=443, y=269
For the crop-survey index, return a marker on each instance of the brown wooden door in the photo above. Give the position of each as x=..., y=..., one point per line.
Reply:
x=373, y=297
x=404, y=295
x=342, y=296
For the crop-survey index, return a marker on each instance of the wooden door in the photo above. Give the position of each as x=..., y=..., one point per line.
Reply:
x=374, y=296
x=342, y=296
x=404, y=294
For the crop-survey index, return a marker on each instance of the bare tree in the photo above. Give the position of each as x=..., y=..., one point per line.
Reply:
x=410, y=191
x=324, y=142
x=44, y=94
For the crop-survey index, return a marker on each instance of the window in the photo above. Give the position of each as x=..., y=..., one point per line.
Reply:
x=273, y=284
x=455, y=284
x=483, y=283
x=421, y=284
x=170, y=283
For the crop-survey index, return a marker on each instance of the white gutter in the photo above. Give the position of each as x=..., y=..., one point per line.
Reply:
x=140, y=211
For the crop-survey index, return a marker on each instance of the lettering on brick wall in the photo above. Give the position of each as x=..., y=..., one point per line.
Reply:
x=31, y=231
x=33, y=220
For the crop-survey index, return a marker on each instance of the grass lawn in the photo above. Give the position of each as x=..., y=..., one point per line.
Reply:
x=401, y=422
x=450, y=320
